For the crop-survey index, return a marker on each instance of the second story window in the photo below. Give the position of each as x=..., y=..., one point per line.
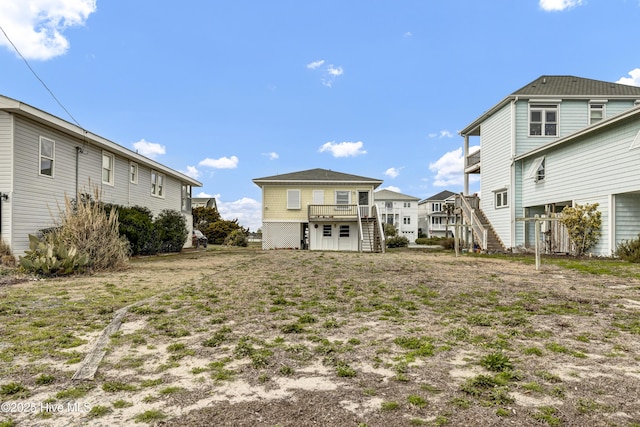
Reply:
x=596, y=112
x=157, y=184
x=108, y=163
x=406, y=220
x=388, y=205
x=501, y=199
x=342, y=198
x=186, y=197
x=436, y=207
x=543, y=120
x=293, y=199
x=407, y=204
x=47, y=155
x=133, y=173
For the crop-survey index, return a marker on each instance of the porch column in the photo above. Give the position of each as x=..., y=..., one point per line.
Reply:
x=464, y=166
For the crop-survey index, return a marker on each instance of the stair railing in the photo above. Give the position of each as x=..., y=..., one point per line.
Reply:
x=479, y=231
x=376, y=214
x=361, y=243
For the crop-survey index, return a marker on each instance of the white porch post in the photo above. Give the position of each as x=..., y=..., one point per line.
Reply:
x=466, y=155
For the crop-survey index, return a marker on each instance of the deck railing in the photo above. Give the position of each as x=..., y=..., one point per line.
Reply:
x=332, y=212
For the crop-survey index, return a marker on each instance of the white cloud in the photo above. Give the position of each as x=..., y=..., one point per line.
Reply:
x=634, y=80
x=392, y=188
x=35, y=26
x=329, y=72
x=221, y=163
x=449, y=168
x=343, y=149
x=192, y=172
x=408, y=34
x=558, y=5
x=315, y=64
x=149, y=149
x=247, y=211
x=442, y=134
x=271, y=155
x=393, y=172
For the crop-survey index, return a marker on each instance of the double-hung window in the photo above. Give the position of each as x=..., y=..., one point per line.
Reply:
x=108, y=165
x=186, y=197
x=157, y=184
x=47, y=156
x=342, y=198
x=406, y=220
x=501, y=199
x=596, y=111
x=133, y=173
x=543, y=120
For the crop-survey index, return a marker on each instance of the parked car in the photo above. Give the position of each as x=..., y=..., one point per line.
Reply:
x=198, y=239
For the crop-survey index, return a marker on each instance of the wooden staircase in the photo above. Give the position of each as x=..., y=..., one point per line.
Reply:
x=483, y=231
x=371, y=239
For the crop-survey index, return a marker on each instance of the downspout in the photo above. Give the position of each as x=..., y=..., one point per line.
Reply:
x=79, y=151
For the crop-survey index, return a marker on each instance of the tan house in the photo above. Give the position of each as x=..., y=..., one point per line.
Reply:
x=320, y=209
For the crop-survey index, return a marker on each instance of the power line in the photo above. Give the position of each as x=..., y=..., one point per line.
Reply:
x=40, y=80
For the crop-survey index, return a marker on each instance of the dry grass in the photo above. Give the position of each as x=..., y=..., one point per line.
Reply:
x=244, y=337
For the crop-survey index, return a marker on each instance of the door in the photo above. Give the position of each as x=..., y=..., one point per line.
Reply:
x=363, y=201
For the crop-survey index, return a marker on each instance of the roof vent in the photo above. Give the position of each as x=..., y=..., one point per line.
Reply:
x=544, y=80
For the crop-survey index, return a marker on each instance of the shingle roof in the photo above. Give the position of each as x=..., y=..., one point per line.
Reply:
x=392, y=195
x=572, y=86
x=443, y=195
x=315, y=175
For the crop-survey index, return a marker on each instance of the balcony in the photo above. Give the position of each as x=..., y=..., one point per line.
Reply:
x=472, y=163
x=336, y=212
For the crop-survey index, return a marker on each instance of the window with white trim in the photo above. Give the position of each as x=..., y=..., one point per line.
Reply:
x=47, y=156
x=133, y=172
x=293, y=199
x=407, y=204
x=436, y=207
x=543, y=120
x=344, y=231
x=406, y=220
x=388, y=205
x=326, y=230
x=501, y=199
x=186, y=197
x=108, y=165
x=537, y=169
x=343, y=198
x=596, y=112
x=157, y=184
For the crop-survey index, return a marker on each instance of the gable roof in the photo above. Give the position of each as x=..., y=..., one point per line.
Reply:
x=392, y=195
x=317, y=176
x=20, y=108
x=558, y=86
x=568, y=86
x=443, y=195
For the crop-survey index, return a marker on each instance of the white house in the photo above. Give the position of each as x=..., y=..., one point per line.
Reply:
x=44, y=158
x=399, y=210
x=558, y=141
x=434, y=216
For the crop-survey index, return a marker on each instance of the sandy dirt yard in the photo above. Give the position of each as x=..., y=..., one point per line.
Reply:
x=298, y=338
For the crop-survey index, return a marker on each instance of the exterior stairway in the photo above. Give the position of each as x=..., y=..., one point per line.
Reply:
x=372, y=241
x=483, y=231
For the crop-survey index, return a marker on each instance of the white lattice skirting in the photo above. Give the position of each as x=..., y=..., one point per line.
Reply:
x=281, y=235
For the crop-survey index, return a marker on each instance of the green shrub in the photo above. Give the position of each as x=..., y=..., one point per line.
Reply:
x=583, y=224
x=171, y=227
x=49, y=257
x=390, y=230
x=397, y=242
x=629, y=250
x=136, y=224
x=236, y=238
x=218, y=231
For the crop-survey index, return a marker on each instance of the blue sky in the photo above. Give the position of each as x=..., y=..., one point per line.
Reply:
x=228, y=91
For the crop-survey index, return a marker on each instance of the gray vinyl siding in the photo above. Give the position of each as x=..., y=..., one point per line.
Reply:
x=627, y=224
x=36, y=199
x=6, y=168
x=495, y=154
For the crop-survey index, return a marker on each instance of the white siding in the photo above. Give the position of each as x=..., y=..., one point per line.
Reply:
x=495, y=141
x=627, y=223
x=6, y=168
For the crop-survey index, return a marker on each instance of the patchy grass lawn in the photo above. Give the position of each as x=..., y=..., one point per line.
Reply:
x=253, y=338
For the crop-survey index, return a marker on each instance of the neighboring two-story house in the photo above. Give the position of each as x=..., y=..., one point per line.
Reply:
x=558, y=141
x=320, y=209
x=399, y=210
x=435, y=215
x=44, y=158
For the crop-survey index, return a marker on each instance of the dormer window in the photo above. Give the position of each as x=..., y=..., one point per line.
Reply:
x=543, y=120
